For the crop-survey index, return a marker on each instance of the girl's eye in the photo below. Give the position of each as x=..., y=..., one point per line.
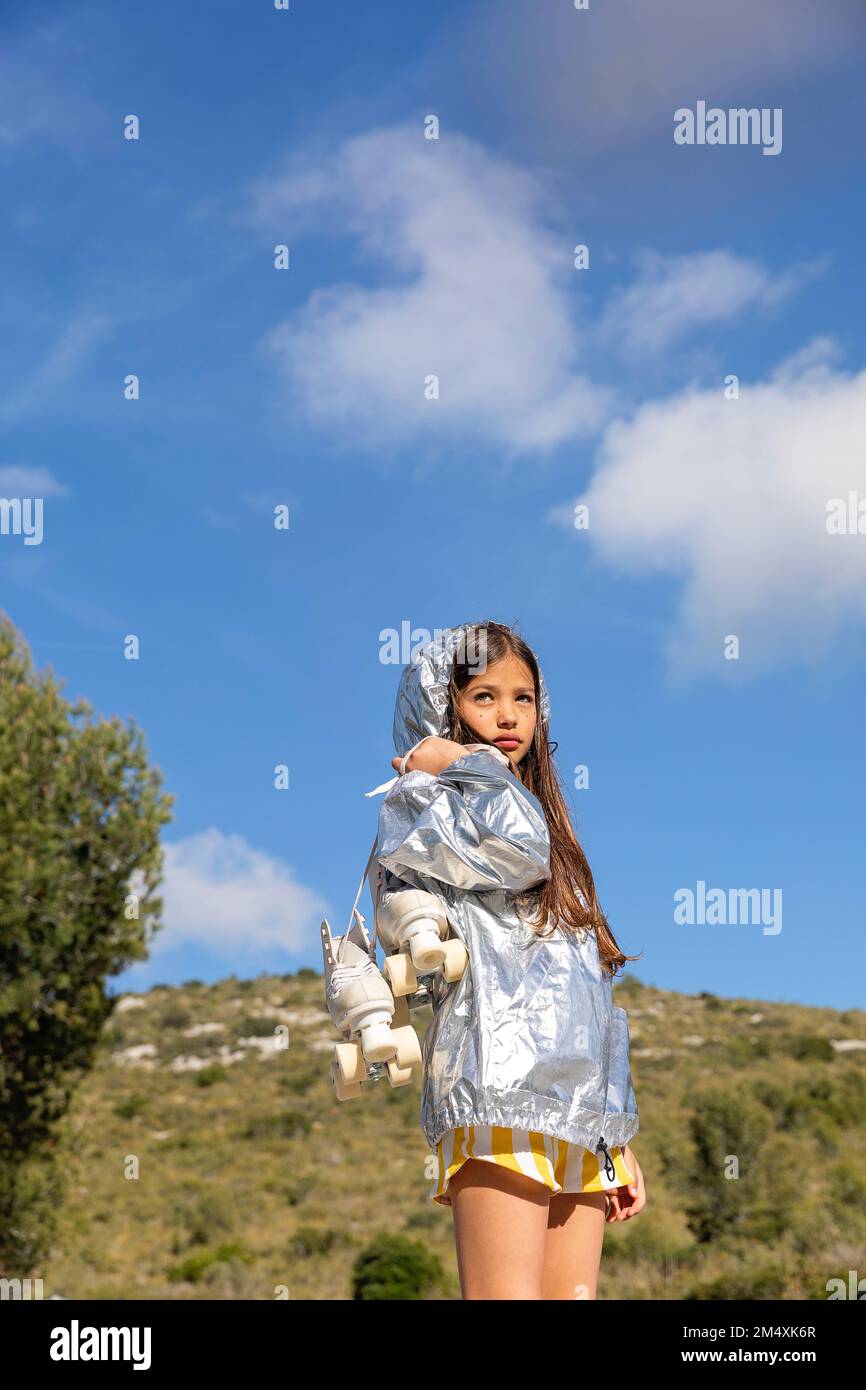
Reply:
x=486, y=695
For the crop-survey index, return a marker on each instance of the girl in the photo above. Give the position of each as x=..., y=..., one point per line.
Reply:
x=527, y=1098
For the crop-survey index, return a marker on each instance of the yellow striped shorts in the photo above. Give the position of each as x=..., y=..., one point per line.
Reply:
x=561, y=1166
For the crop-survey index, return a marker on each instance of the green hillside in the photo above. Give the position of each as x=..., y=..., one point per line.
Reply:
x=251, y=1177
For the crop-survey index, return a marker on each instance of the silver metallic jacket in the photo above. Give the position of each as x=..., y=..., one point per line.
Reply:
x=529, y=1038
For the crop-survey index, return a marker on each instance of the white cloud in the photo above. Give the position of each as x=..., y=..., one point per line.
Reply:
x=482, y=293
x=65, y=359
x=42, y=99
x=20, y=480
x=672, y=295
x=476, y=297
x=731, y=496
x=222, y=894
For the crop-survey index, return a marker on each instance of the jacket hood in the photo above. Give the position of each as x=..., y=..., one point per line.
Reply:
x=422, y=696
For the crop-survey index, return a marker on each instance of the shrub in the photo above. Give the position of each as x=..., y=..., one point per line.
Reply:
x=302, y=1079
x=847, y=1193
x=294, y=1190
x=772, y=1194
x=392, y=1267
x=829, y=1098
x=175, y=1016
x=312, y=1240
x=208, y=1076
x=816, y=1103
x=305, y=973
x=805, y=1046
x=826, y=1134
x=653, y=1240
x=739, y=1050
x=424, y=1218
x=211, y=1213
x=132, y=1106
x=193, y=1269
x=850, y=1087
x=759, y=1282
x=783, y=1104
x=283, y=1126
x=255, y=1027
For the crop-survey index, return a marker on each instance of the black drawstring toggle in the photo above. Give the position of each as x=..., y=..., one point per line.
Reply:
x=609, y=1167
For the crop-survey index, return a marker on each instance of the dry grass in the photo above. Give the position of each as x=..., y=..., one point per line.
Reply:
x=260, y=1181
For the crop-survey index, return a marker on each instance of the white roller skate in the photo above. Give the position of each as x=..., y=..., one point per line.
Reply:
x=363, y=1010
x=413, y=929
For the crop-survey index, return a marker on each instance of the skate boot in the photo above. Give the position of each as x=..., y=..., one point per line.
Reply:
x=362, y=1008
x=414, y=931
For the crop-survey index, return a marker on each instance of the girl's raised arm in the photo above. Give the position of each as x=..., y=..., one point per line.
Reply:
x=473, y=825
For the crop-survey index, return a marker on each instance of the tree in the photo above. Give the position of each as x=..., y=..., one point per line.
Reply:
x=80, y=862
x=728, y=1131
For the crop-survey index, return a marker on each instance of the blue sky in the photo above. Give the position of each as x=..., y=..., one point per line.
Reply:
x=453, y=257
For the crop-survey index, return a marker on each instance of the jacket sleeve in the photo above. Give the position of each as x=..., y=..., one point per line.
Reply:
x=475, y=827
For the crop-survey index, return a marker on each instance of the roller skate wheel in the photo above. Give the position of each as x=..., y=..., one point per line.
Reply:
x=427, y=950
x=344, y=1090
x=400, y=974
x=408, y=1047
x=349, y=1061
x=455, y=962
x=399, y=1076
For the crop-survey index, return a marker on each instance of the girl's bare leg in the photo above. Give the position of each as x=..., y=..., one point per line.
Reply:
x=500, y=1226
x=575, y=1237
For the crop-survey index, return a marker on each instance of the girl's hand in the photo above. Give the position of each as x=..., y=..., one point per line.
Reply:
x=433, y=755
x=624, y=1202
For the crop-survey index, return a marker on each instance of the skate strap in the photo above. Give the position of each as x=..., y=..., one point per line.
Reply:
x=355, y=917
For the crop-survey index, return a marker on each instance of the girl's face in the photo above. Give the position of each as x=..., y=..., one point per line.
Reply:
x=499, y=706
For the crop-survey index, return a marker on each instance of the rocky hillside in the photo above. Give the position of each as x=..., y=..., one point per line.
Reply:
x=208, y=1157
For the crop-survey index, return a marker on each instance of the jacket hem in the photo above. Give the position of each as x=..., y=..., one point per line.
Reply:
x=526, y=1110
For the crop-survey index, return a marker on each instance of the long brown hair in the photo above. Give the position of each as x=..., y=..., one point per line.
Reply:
x=568, y=898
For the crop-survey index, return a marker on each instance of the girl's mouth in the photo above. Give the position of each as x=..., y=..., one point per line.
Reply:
x=509, y=744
